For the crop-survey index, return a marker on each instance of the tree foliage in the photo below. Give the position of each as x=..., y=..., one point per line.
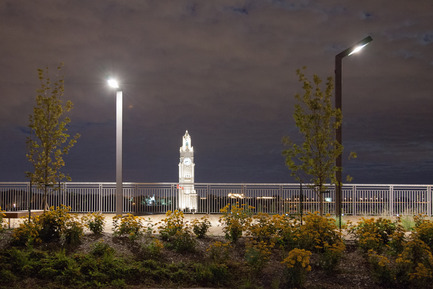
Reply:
x=313, y=161
x=49, y=140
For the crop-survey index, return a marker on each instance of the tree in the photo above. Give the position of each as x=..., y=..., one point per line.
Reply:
x=313, y=161
x=49, y=140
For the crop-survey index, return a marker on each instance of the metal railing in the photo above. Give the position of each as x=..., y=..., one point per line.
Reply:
x=155, y=198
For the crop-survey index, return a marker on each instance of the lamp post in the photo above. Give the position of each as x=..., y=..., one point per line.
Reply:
x=338, y=105
x=119, y=112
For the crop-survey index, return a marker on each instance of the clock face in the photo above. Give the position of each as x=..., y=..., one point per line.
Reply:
x=187, y=161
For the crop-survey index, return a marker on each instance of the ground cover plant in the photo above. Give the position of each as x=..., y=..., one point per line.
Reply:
x=256, y=251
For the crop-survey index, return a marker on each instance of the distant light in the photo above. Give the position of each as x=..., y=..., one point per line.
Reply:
x=113, y=83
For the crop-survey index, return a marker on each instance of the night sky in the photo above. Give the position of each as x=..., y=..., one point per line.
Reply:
x=226, y=72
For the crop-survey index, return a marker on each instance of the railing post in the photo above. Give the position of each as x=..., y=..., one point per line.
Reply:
x=429, y=201
x=391, y=200
x=354, y=213
x=100, y=197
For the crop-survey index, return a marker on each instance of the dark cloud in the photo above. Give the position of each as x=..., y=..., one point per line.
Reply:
x=224, y=70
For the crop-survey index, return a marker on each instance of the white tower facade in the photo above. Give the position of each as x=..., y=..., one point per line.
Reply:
x=187, y=196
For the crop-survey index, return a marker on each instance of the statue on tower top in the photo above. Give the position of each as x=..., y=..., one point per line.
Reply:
x=186, y=143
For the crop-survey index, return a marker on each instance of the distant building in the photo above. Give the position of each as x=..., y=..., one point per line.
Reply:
x=187, y=196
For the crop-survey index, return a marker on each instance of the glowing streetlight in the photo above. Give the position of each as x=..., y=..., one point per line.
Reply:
x=338, y=105
x=119, y=112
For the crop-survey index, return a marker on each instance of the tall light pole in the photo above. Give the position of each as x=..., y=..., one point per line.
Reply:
x=338, y=105
x=119, y=114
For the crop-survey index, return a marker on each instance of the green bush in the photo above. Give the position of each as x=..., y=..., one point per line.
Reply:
x=257, y=254
x=151, y=249
x=415, y=265
x=235, y=220
x=94, y=222
x=7, y=277
x=374, y=234
x=424, y=231
x=100, y=249
x=172, y=224
x=2, y=215
x=182, y=242
x=381, y=268
x=219, y=252
x=200, y=227
x=127, y=226
x=297, y=265
x=27, y=233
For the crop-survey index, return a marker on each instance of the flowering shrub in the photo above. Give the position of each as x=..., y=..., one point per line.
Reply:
x=263, y=227
x=424, y=230
x=374, y=234
x=331, y=255
x=73, y=232
x=177, y=232
x=257, y=254
x=57, y=224
x=53, y=223
x=381, y=268
x=415, y=265
x=297, y=265
x=219, y=252
x=235, y=220
x=2, y=215
x=130, y=226
x=182, y=241
x=286, y=231
x=200, y=227
x=172, y=224
x=94, y=222
x=27, y=232
x=319, y=234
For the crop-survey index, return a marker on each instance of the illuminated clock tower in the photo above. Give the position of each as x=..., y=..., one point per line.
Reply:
x=187, y=194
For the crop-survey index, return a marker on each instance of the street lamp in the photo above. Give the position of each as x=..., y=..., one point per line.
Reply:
x=119, y=109
x=338, y=105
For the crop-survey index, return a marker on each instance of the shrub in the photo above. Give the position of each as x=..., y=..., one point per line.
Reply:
x=319, y=234
x=219, y=252
x=72, y=234
x=235, y=220
x=183, y=241
x=27, y=233
x=381, y=268
x=286, y=231
x=2, y=215
x=151, y=249
x=262, y=228
x=331, y=256
x=53, y=223
x=94, y=222
x=257, y=254
x=374, y=234
x=172, y=224
x=424, y=231
x=415, y=265
x=200, y=227
x=130, y=226
x=297, y=265
x=100, y=249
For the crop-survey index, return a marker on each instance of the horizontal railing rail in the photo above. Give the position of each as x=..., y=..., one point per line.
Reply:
x=157, y=198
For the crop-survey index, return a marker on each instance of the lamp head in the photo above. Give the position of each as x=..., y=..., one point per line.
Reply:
x=113, y=83
x=355, y=48
x=361, y=44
